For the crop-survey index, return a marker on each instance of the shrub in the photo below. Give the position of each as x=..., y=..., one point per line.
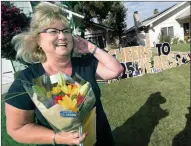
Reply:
x=13, y=21
x=167, y=39
x=160, y=38
x=181, y=41
x=175, y=40
x=187, y=38
x=152, y=61
x=163, y=39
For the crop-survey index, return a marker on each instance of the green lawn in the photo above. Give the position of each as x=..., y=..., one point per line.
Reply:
x=144, y=111
x=6, y=140
x=185, y=47
x=148, y=110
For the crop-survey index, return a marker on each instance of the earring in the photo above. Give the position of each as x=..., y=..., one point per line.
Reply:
x=40, y=49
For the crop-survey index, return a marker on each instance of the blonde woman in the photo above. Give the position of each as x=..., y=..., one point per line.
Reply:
x=48, y=45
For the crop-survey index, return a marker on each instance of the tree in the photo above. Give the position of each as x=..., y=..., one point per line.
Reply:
x=116, y=19
x=89, y=9
x=155, y=11
x=109, y=13
x=70, y=4
x=13, y=21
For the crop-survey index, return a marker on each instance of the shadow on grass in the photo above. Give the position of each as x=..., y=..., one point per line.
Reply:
x=137, y=130
x=184, y=137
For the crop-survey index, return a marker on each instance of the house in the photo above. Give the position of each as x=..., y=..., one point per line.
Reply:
x=173, y=22
x=96, y=33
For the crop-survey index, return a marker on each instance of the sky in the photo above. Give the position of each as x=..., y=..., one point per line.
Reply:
x=145, y=9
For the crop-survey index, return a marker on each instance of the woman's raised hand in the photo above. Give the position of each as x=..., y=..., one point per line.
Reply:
x=83, y=46
x=69, y=138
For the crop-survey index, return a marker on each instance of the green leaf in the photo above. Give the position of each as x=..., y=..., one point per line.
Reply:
x=39, y=91
x=73, y=96
x=46, y=82
x=61, y=80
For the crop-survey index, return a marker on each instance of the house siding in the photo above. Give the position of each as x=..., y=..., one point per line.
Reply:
x=25, y=6
x=168, y=21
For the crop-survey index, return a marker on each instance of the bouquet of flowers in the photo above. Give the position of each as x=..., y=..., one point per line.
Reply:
x=66, y=103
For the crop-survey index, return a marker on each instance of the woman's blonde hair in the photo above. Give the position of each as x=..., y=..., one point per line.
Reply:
x=26, y=43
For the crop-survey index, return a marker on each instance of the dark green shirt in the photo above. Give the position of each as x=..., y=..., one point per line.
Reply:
x=86, y=67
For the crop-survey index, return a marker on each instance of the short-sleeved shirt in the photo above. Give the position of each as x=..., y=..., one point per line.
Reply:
x=85, y=66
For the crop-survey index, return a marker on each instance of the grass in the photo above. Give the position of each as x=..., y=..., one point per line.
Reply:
x=185, y=47
x=144, y=111
x=6, y=140
x=148, y=110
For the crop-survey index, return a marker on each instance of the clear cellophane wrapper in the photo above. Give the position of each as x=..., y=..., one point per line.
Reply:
x=61, y=118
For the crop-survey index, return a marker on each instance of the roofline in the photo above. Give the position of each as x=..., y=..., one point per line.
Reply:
x=158, y=14
x=185, y=17
x=73, y=13
x=161, y=14
x=179, y=17
x=170, y=10
x=101, y=25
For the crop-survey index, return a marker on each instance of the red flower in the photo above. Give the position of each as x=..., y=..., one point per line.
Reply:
x=80, y=100
x=4, y=22
x=57, y=98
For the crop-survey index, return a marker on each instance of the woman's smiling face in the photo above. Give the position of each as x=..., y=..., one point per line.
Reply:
x=56, y=39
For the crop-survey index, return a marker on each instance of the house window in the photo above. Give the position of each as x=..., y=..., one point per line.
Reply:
x=167, y=31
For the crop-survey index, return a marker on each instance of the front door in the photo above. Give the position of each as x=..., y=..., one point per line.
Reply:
x=186, y=29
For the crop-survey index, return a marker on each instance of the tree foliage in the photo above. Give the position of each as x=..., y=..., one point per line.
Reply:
x=90, y=9
x=13, y=21
x=155, y=11
x=110, y=13
x=116, y=19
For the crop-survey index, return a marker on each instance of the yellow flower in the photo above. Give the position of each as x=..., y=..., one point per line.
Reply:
x=68, y=103
x=65, y=89
x=56, y=90
x=70, y=89
x=75, y=89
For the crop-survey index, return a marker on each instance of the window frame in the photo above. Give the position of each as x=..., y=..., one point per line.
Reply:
x=167, y=31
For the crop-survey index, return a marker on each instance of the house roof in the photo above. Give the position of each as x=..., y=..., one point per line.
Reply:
x=155, y=17
x=73, y=13
x=101, y=25
x=185, y=14
x=91, y=22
